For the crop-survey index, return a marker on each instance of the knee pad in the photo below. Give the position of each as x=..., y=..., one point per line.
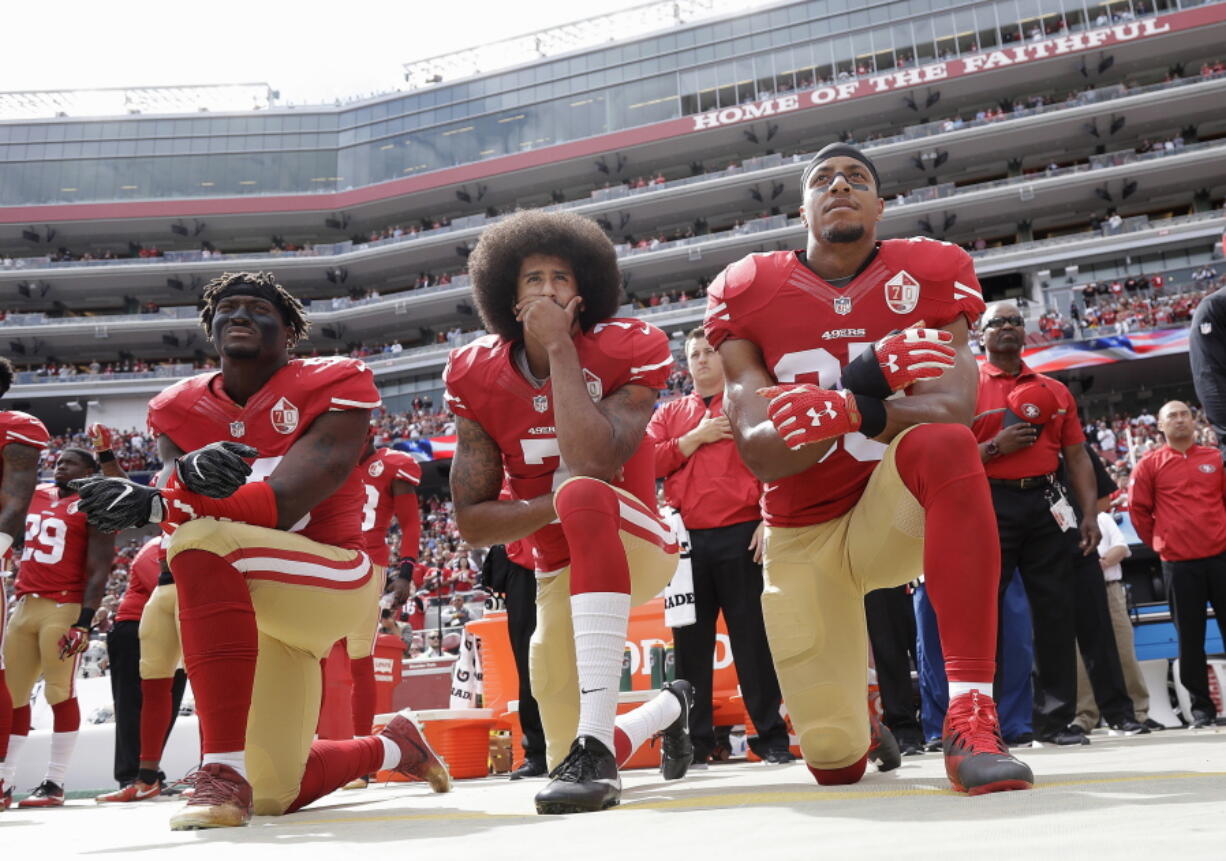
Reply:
x=585, y=494
x=828, y=746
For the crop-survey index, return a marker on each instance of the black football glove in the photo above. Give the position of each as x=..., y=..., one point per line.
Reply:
x=112, y=504
x=217, y=470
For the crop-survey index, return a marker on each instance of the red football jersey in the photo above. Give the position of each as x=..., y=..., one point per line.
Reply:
x=197, y=411
x=808, y=329
x=56, y=544
x=142, y=580
x=484, y=385
x=378, y=472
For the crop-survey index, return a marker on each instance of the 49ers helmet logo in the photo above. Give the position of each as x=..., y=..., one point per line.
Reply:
x=1031, y=411
x=902, y=292
x=284, y=416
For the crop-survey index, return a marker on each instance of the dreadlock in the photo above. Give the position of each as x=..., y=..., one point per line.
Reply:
x=261, y=284
x=494, y=266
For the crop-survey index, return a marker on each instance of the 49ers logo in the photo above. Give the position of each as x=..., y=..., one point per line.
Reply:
x=284, y=416
x=902, y=292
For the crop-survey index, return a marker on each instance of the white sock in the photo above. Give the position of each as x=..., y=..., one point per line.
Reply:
x=600, y=620
x=391, y=753
x=8, y=768
x=236, y=759
x=62, y=745
x=648, y=719
x=957, y=689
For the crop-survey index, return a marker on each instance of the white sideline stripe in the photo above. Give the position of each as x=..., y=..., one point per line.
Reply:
x=34, y=442
x=638, y=518
x=642, y=368
x=303, y=569
x=360, y=404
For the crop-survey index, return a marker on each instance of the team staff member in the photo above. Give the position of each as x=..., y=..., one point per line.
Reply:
x=1021, y=457
x=266, y=556
x=1207, y=355
x=123, y=649
x=719, y=500
x=21, y=438
x=64, y=566
x=1177, y=508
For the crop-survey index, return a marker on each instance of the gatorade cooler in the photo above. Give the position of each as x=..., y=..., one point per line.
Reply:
x=460, y=736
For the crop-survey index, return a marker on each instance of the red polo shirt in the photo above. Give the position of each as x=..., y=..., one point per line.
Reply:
x=1044, y=455
x=712, y=487
x=1176, y=503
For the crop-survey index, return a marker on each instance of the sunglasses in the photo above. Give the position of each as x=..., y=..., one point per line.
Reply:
x=996, y=322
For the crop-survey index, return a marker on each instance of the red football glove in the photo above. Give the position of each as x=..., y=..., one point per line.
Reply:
x=73, y=642
x=804, y=413
x=100, y=436
x=900, y=360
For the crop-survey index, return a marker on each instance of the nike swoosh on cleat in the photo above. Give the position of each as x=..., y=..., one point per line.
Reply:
x=151, y=791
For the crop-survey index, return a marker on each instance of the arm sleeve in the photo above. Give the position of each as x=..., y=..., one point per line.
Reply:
x=409, y=518
x=1141, y=502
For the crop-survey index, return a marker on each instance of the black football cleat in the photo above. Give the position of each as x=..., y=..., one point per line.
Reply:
x=676, y=748
x=586, y=780
x=46, y=794
x=533, y=766
x=977, y=760
x=883, y=750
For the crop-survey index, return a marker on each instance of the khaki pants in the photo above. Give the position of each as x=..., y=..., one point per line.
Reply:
x=32, y=650
x=551, y=655
x=306, y=596
x=813, y=603
x=1087, y=709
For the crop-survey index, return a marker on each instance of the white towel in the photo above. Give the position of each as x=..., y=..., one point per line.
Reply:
x=466, y=676
x=679, y=593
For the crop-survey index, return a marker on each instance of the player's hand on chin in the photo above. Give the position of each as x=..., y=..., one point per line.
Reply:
x=547, y=322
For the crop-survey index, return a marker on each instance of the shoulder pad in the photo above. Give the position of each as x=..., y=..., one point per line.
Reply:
x=23, y=428
x=735, y=279
x=171, y=405
x=463, y=359
x=926, y=258
x=623, y=337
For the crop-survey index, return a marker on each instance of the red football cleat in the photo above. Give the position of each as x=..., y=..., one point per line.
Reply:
x=883, y=750
x=977, y=759
x=135, y=791
x=221, y=799
x=417, y=759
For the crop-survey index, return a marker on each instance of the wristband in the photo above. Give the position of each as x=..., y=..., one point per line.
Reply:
x=106, y=456
x=254, y=503
x=864, y=377
x=86, y=619
x=872, y=415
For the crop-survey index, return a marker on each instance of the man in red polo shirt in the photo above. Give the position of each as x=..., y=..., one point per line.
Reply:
x=719, y=501
x=1024, y=422
x=1177, y=508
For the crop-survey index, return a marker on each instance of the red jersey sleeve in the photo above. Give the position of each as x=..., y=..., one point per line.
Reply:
x=407, y=469
x=968, y=295
x=23, y=429
x=460, y=377
x=346, y=383
x=719, y=323
x=652, y=357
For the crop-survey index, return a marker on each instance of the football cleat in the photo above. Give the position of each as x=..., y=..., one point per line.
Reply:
x=977, y=760
x=221, y=798
x=360, y=782
x=531, y=767
x=46, y=794
x=584, y=782
x=135, y=791
x=676, y=748
x=883, y=749
x=417, y=758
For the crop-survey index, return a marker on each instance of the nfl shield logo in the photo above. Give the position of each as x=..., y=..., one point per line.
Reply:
x=237, y=429
x=284, y=416
x=842, y=305
x=540, y=403
x=902, y=292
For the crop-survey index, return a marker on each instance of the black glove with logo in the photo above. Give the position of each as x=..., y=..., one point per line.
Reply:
x=112, y=504
x=217, y=470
